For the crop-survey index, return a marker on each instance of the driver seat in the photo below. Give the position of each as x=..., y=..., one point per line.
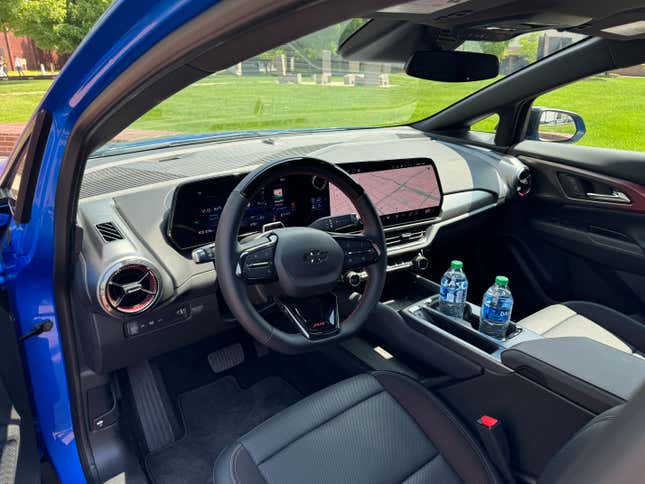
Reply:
x=378, y=427
x=385, y=428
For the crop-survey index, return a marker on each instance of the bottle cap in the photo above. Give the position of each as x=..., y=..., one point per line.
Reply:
x=456, y=264
x=501, y=281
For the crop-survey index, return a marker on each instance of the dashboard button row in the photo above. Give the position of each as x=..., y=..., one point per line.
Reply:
x=135, y=328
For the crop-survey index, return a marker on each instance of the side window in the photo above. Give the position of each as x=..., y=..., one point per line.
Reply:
x=16, y=175
x=486, y=125
x=603, y=111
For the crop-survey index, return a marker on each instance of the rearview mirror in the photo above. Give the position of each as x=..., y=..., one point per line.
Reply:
x=452, y=66
x=555, y=125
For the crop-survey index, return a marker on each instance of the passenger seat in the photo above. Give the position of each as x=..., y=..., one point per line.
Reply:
x=594, y=321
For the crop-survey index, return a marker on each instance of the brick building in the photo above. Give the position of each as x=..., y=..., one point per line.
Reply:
x=12, y=46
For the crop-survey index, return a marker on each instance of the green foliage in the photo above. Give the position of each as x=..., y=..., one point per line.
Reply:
x=312, y=45
x=495, y=48
x=350, y=28
x=56, y=24
x=8, y=10
x=528, y=46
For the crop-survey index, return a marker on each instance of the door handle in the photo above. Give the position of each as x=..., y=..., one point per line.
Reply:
x=614, y=197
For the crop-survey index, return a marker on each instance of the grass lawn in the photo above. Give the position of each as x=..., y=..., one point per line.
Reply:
x=612, y=107
x=18, y=99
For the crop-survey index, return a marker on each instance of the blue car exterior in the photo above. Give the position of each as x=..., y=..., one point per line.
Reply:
x=124, y=34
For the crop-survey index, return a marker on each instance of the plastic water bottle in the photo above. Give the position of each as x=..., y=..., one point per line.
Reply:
x=454, y=289
x=496, y=309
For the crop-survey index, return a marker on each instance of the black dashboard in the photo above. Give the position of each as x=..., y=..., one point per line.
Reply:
x=403, y=191
x=141, y=213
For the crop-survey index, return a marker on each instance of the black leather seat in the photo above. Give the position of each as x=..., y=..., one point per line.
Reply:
x=386, y=428
x=379, y=427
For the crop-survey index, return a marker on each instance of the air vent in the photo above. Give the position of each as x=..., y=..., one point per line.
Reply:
x=524, y=182
x=129, y=287
x=400, y=238
x=109, y=232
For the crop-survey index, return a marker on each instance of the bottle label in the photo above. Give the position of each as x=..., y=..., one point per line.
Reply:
x=453, y=291
x=494, y=309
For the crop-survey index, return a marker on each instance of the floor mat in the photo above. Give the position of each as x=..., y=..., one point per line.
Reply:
x=214, y=416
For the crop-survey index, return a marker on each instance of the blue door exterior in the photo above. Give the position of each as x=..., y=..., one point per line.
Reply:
x=124, y=34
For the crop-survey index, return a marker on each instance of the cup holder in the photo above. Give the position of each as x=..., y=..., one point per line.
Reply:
x=470, y=319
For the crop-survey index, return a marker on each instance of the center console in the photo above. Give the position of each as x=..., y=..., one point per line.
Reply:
x=590, y=374
x=462, y=335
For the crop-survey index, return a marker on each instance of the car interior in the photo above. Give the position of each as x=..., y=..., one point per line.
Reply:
x=265, y=309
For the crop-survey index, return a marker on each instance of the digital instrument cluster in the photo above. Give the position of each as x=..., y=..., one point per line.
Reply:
x=403, y=191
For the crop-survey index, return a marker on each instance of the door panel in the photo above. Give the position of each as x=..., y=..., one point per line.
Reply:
x=581, y=233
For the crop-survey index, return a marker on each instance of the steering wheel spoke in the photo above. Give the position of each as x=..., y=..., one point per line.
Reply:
x=359, y=250
x=255, y=263
x=316, y=317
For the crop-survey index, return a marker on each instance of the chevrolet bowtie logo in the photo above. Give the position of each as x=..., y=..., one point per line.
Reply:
x=315, y=256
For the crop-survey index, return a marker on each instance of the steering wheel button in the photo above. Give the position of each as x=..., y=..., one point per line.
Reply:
x=259, y=271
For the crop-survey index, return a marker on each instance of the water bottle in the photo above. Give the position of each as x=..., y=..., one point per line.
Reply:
x=496, y=309
x=454, y=289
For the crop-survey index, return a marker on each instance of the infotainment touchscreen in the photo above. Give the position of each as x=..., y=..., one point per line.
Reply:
x=401, y=191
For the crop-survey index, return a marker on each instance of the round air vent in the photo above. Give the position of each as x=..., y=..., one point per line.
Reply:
x=524, y=184
x=129, y=287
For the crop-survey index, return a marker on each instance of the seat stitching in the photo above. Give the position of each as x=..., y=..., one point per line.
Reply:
x=297, y=405
x=233, y=466
x=591, y=425
x=363, y=400
x=457, y=424
x=434, y=457
x=472, y=443
x=584, y=336
x=560, y=323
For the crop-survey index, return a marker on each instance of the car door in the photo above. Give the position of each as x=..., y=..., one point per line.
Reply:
x=581, y=233
x=19, y=454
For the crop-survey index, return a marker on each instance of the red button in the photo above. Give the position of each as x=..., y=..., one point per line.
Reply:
x=488, y=421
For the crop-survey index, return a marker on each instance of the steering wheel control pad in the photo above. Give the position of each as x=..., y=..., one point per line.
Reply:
x=256, y=261
x=307, y=261
x=359, y=251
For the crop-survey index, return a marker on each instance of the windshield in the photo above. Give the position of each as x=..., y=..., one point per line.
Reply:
x=305, y=84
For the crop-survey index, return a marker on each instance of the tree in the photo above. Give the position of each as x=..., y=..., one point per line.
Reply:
x=57, y=24
x=495, y=48
x=528, y=46
x=8, y=9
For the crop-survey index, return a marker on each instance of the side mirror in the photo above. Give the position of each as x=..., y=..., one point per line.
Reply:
x=452, y=66
x=555, y=125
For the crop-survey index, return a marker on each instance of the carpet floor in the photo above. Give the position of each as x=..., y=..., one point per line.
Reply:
x=214, y=416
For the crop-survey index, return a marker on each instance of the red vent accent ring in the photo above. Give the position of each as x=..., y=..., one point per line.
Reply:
x=129, y=287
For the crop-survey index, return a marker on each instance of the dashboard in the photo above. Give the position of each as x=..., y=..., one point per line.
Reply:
x=141, y=214
x=402, y=191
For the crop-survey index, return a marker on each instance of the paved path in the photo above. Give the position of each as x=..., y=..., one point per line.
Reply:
x=9, y=133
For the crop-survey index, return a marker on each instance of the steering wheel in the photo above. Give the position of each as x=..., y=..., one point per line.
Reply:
x=302, y=265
